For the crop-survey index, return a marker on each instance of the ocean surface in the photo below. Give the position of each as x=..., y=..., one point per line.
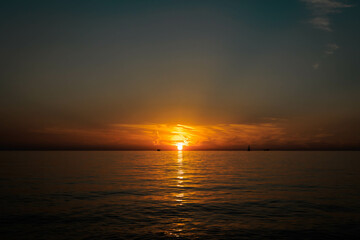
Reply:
x=179, y=195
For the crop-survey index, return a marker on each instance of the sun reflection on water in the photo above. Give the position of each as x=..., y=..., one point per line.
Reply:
x=178, y=224
x=180, y=177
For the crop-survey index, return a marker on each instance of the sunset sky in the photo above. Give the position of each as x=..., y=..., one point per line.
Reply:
x=210, y=74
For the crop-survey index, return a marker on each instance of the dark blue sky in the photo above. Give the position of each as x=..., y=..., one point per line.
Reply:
x=92, y=64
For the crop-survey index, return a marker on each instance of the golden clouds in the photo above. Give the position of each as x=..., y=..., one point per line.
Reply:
x=273, y=134
x=168, y=136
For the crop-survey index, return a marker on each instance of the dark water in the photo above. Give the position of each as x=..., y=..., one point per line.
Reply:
x=180, y=195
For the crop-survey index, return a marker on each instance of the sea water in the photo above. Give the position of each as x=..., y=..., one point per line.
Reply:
x=179, y=195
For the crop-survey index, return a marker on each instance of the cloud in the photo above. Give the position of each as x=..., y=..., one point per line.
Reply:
x=274, y=133
x=165, y=136
x=157, y=138
x=316, y=65
x=321, y=10
x=322, y=23
x=331, y=48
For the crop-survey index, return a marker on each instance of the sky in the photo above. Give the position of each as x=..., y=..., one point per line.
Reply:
x=210, y=74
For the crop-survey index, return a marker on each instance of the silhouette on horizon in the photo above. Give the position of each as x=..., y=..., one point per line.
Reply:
x=249, y=148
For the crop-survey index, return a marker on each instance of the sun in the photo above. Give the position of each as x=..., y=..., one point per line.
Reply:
x=179, y=146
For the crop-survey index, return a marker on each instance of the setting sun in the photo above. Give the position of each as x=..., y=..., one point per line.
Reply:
x=179, y=146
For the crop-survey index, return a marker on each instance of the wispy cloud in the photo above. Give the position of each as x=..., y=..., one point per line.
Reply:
x=322, y=23
x=316, y=65
x=273, y=133
x=166, y=136
x=331, y=48
x=322, y=9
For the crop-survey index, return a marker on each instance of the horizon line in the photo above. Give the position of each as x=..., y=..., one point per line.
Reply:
x=168, y=150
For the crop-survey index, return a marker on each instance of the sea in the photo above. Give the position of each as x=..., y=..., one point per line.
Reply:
x=179, y=195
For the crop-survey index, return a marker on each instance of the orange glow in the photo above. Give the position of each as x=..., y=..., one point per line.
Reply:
x=179, y=146
x=194, y=137
x=166, y=136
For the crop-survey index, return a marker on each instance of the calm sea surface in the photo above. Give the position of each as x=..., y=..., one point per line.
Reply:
x=179, y=195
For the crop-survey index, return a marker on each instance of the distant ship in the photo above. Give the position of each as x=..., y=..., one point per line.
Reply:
x=249, y=148
x=158, y=150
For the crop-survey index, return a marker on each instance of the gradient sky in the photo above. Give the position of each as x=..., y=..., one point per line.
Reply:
x=213, y=74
